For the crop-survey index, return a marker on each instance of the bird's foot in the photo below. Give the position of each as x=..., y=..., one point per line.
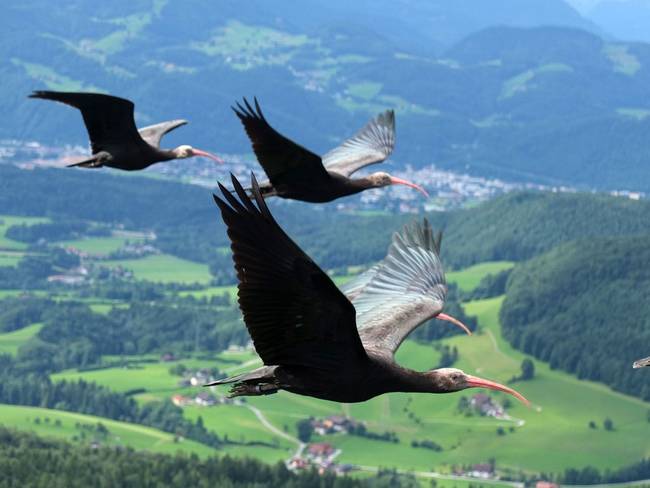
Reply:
x=247, y=389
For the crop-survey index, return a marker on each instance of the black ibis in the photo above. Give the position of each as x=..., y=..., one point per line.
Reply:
x=297, y=173
x=641, y=363
x=114, y=139
x=305, y=329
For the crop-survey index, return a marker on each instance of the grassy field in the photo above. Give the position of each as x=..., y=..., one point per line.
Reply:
x=10, y=258
x=11, y=341
x=65, y=425
x=165, y=268
x=98, y=246
x=469, y=278
x=7, y=221
x=213, y=291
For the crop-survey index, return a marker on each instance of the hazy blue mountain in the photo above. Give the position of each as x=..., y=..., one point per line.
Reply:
x=550, y=104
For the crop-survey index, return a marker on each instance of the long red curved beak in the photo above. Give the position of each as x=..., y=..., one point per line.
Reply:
x=205, y=154
x=399, y=181
x=456, y=322
x=476, y=382
x=641, y=363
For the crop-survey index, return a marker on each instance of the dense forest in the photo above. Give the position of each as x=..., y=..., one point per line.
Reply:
x=60, y=464
x=583, y=307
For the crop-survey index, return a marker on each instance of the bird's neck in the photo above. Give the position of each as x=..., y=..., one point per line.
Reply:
x=409, y=381
x=356, y=185
x=167, y=154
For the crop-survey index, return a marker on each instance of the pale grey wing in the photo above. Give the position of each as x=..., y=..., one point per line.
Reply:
x=152, y=134
x=408, y=289
x=641, y=363
x=372, y=144
x=356, y=285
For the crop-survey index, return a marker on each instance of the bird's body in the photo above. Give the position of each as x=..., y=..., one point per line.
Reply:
x=337, y=186
x=298, y=174
x=115, y=141
x=641, y=363
x=305, y=329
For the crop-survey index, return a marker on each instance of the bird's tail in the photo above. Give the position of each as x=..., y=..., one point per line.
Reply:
x=93, y=162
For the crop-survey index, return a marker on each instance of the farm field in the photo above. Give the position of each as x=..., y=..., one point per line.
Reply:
x=469, y=278
x=98, y=246
x=11, y=341
x=164, y=268
x=7, y=221
x=43, y=421
x=558, y=421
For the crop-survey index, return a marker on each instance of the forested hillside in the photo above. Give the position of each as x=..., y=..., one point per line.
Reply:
x=513, y=227
x=66, y=465
x=584, y=308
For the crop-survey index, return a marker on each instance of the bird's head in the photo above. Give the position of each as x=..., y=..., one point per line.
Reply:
x=452, y=379
x=641, y=363
x=381, y=179
x=186, y=151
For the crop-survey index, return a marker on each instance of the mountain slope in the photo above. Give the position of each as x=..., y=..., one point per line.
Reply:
x=548, y=104
x=583, y=308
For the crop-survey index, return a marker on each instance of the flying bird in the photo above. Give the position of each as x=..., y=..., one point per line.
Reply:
x=297, y=173
x=114, y=139
x=641, y=363
x=365, y=293
x=305, y=329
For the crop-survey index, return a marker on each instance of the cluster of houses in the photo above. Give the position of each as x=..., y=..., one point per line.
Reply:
x=334, y=424
x=319, y=455
x=202, y=399
x=484, y=471
x=75, y=276
x=197, y=377
x=486, y=406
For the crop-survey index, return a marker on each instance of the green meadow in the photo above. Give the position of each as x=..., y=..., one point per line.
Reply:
x=11, y=341
x=99, y=246
x=164, y=268
x=66, y=425
x=469, y=278
x=10, y=258
x=7, y=221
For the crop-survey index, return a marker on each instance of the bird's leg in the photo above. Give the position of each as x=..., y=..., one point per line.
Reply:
x=251, y=389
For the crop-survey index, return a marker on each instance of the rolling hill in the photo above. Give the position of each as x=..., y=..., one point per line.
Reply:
x=582, y=307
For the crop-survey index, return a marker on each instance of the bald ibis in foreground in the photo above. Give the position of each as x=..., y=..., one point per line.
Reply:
x=641, y=363
x=305, y=329
x=114, y=139
x=297, y=173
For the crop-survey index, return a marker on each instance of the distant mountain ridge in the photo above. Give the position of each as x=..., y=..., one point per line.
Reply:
x=556, y=105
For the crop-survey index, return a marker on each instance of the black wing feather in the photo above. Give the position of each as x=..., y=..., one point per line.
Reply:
x=108, y=119
x=284, y=161
x=294, y=313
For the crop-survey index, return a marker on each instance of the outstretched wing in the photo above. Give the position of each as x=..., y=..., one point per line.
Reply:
x=152, y=134
x=109, y=120
x=284, y=161
x=356, y=285
x=292, y=309
x=406, y=289
x=372, y=144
